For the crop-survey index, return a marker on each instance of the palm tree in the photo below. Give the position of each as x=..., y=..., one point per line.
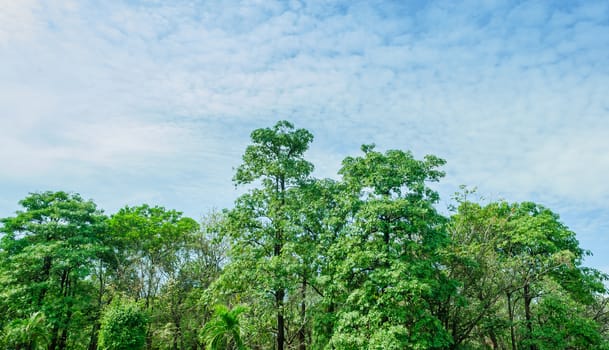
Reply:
x=223, y=331
x=29, y=334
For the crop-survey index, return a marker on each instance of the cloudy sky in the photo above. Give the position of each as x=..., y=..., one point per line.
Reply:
x=130, y=102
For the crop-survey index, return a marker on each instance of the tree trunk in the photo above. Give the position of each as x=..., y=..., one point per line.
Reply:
x=527, y=315
x=279, y=296
x=493, y=338
x=280, y=319
x=68, y=292
x=302, y=337
x=100, y=294
x=94, y=334
x=63, y=339
x=46, y=272
x=55, y=339
x=63, y=286
x=511, y=315
x=280, y=293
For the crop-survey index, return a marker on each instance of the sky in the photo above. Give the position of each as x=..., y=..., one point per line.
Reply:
x=131, y=102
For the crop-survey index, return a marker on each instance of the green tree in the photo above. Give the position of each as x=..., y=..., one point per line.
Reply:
x=515, y=263
x=223, y=331
x=49, y=249
x=123, y=326
x=535, y=245
x=261, y=226
x=477, y=311
x=31, y=333
x=198, y=264
x=562, y=324
x=153, y=242
x=319, y=223
x=388, y=268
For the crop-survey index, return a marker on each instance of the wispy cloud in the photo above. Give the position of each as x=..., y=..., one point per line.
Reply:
x=154, y=100
x=18, y=19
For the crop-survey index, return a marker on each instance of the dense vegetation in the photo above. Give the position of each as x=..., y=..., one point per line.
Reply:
x=364, y=262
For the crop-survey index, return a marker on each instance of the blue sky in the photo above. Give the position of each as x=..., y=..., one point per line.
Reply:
x=131, y=102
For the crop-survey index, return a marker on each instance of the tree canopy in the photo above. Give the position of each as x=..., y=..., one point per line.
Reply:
x=367, y=260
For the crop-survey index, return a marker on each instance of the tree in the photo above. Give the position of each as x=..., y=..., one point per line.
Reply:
x=515, y=264
x=198, y=264
x=49, y=251
x=362, y=262
x=123, y=326
x=261, y=228
x=320, y=222
x=223, y=331
x=387, y=261
x=476, y=311
x=31, y=333
x=153, y=243
x=562, y=324
x=533, y=244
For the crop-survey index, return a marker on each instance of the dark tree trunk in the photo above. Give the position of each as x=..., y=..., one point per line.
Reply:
x=94, y=336
x=511, y=315
x=279, y=296
x=493, y=338
x=46, y=272
x=55, y=339
x=280, y=293
x=93, y=341
x=527, y=315
x=68, y=291
x=280, y=319
x=63, y=339
x=302, y=333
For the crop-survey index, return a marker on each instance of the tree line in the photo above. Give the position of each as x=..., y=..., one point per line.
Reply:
x=363, y=262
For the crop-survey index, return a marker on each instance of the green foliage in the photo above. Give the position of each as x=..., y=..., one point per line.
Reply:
x=262, y=228
x=151, y=236
x=123, y=327
x=520, y=273
x=154, y=245
x=276, y=154
x=387, y=267
x=49, y=251
x=362, y=262
x=562, y=326
x=31, y=333
x=224, y=331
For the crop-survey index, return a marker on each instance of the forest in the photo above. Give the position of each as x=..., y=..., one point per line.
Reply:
x=364, y=261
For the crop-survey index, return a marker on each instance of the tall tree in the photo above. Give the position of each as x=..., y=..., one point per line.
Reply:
x=50, y=248
x=473, y=259
x=387, y=258
x=261, y=229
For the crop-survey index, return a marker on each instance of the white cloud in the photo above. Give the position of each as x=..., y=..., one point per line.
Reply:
x=572, y=164
x=162, y=95
x=17, y=20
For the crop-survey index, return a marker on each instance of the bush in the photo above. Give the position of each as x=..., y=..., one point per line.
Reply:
x=123, y=327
